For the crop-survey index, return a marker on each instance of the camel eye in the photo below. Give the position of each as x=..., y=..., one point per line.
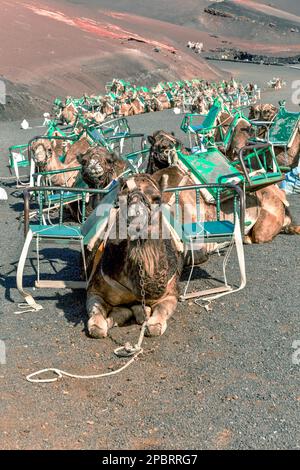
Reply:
x=156, y=199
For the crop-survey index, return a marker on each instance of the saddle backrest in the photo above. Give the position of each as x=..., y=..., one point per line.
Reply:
x=212, y=116
x=284, y=127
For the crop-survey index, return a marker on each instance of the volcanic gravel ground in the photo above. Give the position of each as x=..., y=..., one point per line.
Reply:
x=221, y=379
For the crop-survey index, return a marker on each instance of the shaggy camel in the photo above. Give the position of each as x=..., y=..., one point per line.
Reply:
x=127, y=263
x=135, y=267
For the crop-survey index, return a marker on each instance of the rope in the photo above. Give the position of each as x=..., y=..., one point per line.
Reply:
x=124, y=351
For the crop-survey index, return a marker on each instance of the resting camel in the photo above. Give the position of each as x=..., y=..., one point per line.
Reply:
x=267, y=209
x=46, y=153
x=243, y=131
x=129, y=262
x=99, y=167
x=199, y=105
x=69, y=114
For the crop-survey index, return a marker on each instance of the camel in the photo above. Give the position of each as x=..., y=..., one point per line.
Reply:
x=138, y=271
x=267, y=209
x=131, y=106
x=263, y=112
x=244, y=131
x=95, y=117
x=69, y=114
x=161, y=102
x=199, y=105
x=46, y=153
x=100, y=167
x=107, y=107
x=136, y=267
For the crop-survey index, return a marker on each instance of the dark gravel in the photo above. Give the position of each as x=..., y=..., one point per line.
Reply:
x=222, y=379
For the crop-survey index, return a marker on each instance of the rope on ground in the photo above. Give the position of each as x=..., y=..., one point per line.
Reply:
x=125, y=351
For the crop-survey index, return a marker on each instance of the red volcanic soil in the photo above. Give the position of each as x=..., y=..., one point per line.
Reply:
x=60, y=49
x=50, y=48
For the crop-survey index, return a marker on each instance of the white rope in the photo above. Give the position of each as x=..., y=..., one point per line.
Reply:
x=125, y=351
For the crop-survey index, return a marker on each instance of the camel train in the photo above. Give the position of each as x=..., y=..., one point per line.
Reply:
x=125, y=99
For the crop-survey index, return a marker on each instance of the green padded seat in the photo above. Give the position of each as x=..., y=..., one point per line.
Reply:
x=284, y=126
x=56, y=231
x=211, y=167
x=214, y=229
x=207, y=124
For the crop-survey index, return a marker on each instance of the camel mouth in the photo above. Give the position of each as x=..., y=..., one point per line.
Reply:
x=39, y=157
x=96, y=169
x=138, y=217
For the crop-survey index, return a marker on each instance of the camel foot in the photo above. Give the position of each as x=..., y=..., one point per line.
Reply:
x=98, y=326
x=247, y=240
x=155, y=327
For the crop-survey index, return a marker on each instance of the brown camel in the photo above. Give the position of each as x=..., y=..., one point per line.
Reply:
x=69, y=114
x=243, y=131
x=135, y=267
x=99, y=167
x=46, y=153
x=267, y=209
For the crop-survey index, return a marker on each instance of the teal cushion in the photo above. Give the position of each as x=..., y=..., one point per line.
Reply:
x=56, y=231
x=211, y=229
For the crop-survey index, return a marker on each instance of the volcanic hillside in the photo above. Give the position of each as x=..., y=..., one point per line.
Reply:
x=51, y=49
x=70, y=47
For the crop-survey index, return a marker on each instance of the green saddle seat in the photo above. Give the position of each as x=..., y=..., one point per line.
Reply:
x=56, y=231
x=208, y=123
x=284, y=127
x=211, y=167
x=208, y=230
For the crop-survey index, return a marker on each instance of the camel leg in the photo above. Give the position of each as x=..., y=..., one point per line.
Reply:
x=266, y=228
x=248, y=239
x=157, y=323
x=98, y=311
x=120, y=315
x=140, y=314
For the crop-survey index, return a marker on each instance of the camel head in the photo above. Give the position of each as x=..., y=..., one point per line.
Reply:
x=268, y=112
x=163, y=150
x=42, y=152
x=99, y=167
x=263, y=112
x=140, y=199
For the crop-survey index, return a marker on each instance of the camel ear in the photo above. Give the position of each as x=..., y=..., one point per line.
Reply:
x=151, y=140
x=163, y=182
